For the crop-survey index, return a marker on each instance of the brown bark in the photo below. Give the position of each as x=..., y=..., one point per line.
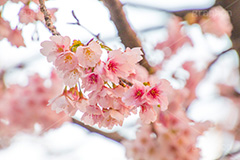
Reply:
x=47, y=17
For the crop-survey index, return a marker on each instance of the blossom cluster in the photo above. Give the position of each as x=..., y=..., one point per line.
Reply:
x=105, y=88
x=22, y=107
x=173, y=136
x=26, y=16
x=173, y=139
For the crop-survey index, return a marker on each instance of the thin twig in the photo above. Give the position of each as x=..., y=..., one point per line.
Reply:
x=113, y=136
x=79, y=24
x=125, y=81
x=47, y=17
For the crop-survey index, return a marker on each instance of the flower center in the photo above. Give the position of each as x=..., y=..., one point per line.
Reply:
x=138, y=93
x=93, y=78
x=112, y=67
x=154, y=92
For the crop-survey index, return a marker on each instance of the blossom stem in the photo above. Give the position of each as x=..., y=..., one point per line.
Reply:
x=113, y=136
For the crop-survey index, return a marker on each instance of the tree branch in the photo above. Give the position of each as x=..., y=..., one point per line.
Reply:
x=125, y=32
x=47, y=17
x=113, y=136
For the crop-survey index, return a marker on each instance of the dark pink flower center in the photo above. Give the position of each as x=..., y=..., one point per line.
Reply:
x=93, y=78
x=154, y=92
x=60, y=48
x=112, y=66
x=138, y=93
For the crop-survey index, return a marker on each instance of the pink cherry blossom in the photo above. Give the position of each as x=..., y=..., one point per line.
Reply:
x=133, y=56
x=89, y=56
x=15, y=38
x=27, y=15
x=141, y=74
x=71, y=77
x=177, y=141
x=157, y=95
x=58, y=44
x=147, y=113
x=52, y=11
x=93, y=115
x=63, y=103
x=135, y=95
x=66, y=61
x=23, y=107
x=5, y=28
x=119, y=64
x=92, y=81
x=218, y=22
x=111, y=118
x=2, y=2
x=176, y=38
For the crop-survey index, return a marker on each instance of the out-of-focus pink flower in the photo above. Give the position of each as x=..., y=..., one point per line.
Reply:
x=5, y=28
x=27, y=15
x=147, y=114
x=217, y=22
x=58, y=44
x=176, y=38
x=21, y=113
x=15, y=38
x=194, y=79
x=2, y=2
x=177, y=141
x=89, y=56
x=63, y=103
x=51, y=11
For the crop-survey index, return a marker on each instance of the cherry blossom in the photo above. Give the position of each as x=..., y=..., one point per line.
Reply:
x=135, y=95
x=5, y=28
x=40, y=16
x=108, y=100
x=176, y=38
x=157, y=94
x=58, y=44
x=66, y=61
x=3, y=2
x=22, y=107
x=92, y=81
x=217, y=22
x=15, y=38
x=90, y=55
x=176, y=141
x=27, y=15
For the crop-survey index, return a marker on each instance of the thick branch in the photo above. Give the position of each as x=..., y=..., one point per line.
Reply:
x=47, y=17
x=113, y=136
x=125, y=32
